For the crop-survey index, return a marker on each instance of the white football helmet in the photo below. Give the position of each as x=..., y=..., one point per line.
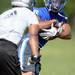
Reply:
x=23, y=3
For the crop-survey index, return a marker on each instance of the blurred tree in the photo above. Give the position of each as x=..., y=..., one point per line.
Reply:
x=70, y=9
x=39, y=3
x=4, y=5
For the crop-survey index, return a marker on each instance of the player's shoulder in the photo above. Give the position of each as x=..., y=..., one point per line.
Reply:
x=42, y=13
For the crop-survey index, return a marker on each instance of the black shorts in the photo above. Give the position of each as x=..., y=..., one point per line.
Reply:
x=9, y=64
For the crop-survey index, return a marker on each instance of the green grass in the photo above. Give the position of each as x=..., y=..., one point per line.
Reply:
x=58, y=57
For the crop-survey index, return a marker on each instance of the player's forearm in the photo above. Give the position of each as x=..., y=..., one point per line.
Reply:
x=34, y=44
x=33, y=41
x=46, y=24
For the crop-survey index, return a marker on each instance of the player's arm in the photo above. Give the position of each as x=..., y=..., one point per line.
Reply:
x=46, y=24
x=33, y=32
x=34, y=43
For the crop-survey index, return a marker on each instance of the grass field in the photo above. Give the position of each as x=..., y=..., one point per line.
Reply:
x=58, y=57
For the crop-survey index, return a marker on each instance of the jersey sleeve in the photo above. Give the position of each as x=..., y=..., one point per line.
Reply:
x=42, y=13
x=32, y=19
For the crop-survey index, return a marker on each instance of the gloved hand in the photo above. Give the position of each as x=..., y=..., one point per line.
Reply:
x=34, y=59
x=48, y=33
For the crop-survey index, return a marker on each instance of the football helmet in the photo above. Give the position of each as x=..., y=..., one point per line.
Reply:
x=55, y=5
x=23, y=3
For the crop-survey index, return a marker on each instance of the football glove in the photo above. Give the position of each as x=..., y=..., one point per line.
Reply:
x=49, y=33
x=34, y=59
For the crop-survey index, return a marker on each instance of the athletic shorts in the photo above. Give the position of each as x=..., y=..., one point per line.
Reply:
x=24, y=54
x=9, y=64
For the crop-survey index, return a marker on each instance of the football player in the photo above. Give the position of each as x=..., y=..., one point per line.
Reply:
x=53, y=10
